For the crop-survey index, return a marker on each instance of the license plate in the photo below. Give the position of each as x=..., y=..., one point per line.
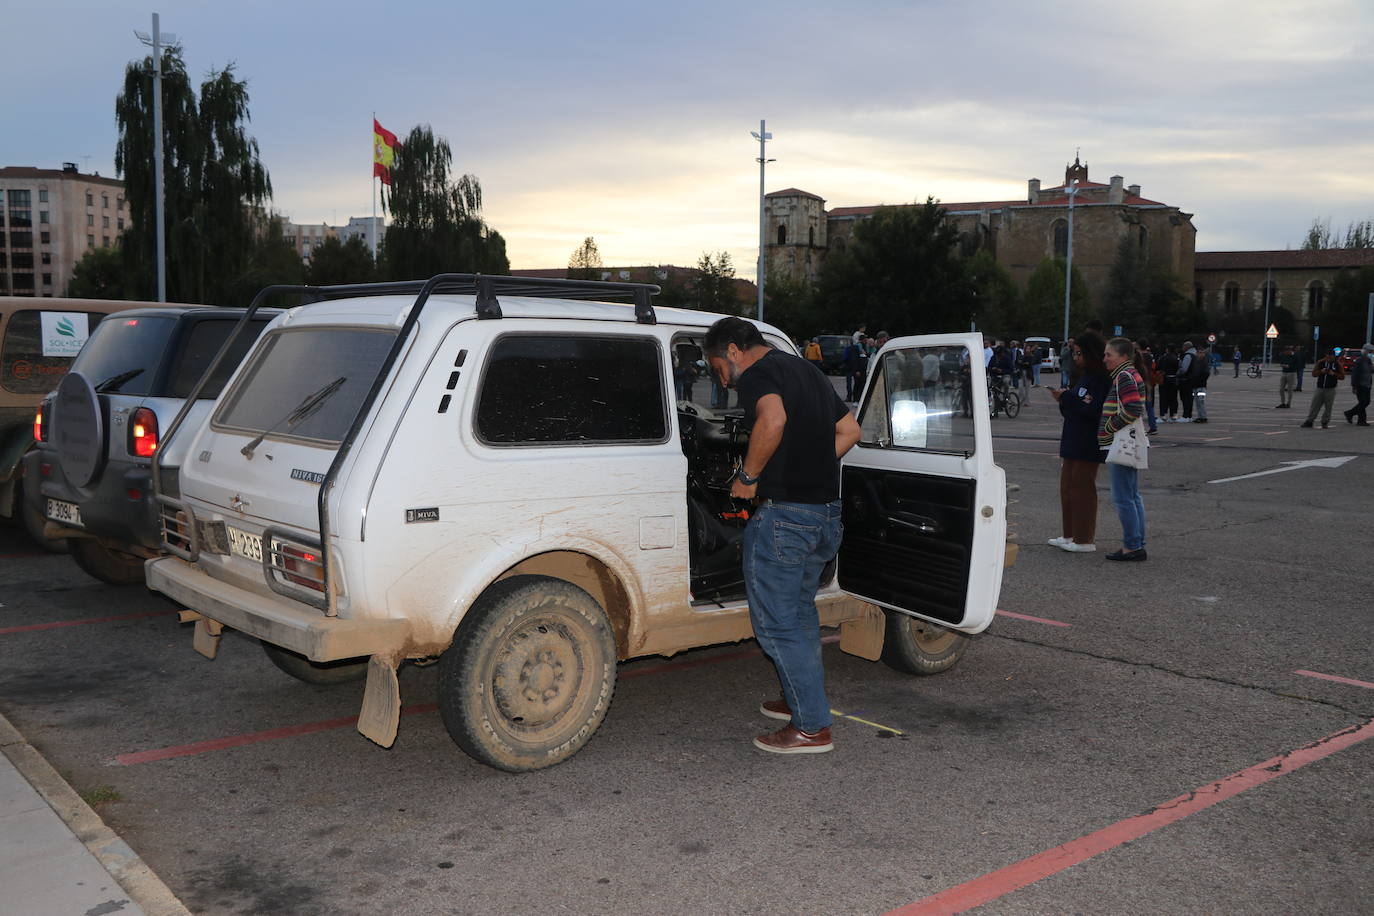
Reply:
x=60, y=511
x=243, y=544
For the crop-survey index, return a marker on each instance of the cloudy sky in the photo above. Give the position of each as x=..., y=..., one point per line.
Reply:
x=630, y=121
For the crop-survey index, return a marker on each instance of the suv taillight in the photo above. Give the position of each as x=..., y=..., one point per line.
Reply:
x=40, y=427
x=143, y=433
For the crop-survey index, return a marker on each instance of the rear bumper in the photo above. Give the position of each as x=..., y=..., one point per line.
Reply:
x=298, y=628
x=107, y=510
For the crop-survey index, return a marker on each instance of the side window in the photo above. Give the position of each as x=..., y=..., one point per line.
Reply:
x=545, y=390
x=199, y=346
x=920, y=399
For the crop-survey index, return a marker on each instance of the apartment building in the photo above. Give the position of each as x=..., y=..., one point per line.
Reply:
x=49, y=219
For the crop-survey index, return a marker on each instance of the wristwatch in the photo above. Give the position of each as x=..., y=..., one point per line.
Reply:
x=745, y=478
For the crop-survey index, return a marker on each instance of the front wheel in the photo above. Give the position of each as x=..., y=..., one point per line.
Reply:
x=915, y=646
x=530, y=674
x=1253, y=372
x=107, y=564
x=1012, y=405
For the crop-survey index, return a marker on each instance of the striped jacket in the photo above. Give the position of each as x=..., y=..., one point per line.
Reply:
x=1124, y=405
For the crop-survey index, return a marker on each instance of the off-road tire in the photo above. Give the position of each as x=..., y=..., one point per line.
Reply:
x=325, y=674
x=915, y=646
x=530, y=674
x=114, y=567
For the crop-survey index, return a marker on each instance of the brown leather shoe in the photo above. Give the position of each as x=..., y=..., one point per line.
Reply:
x=790, y=740
x=776, y=709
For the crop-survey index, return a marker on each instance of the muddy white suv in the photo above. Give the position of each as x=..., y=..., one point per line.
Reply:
x=493, y=471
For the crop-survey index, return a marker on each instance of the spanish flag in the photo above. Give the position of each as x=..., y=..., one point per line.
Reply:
x=384, y=145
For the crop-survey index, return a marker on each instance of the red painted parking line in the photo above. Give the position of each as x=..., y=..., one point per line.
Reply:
x=999, y=883
x=1015, y=616
x=1339, y=680
x=76, y=623
x=271, y=734
x=293, y=731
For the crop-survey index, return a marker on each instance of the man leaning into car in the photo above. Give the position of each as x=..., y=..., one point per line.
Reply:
x=799, y=431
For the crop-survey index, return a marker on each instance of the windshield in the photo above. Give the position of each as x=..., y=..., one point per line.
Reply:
x=123, y=353
x=292, y=365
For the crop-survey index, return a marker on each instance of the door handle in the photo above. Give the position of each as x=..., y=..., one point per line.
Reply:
x=915, y=522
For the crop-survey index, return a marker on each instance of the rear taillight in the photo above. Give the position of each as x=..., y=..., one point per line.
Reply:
x=301, y=567
x=39, y=427
x=143, y=433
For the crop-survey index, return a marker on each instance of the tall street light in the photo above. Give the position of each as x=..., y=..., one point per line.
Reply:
x=1070, y=189
x=763, y=137
x=155, y=42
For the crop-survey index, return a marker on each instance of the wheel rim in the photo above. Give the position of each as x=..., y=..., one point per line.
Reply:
x=538, y=676
x=930, y=639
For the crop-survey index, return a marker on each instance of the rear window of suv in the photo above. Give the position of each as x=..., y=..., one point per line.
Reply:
x=123, y=354
x=306, y=383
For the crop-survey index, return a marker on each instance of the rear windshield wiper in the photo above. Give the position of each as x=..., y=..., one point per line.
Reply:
x=302, y=411
x=113, y=383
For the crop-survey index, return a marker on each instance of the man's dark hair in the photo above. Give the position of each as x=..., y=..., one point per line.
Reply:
x=737, y=331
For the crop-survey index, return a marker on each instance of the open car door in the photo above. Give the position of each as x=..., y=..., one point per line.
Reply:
x=925, y=507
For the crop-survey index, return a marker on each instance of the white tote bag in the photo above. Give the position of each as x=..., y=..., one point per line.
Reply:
x=1130, y=447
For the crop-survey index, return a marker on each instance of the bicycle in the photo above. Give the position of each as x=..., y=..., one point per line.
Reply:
x=1255, y=370
x=1002, y=399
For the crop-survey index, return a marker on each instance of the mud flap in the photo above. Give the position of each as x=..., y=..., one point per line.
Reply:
x=207, y=635
x=381, y=714
x=863, y=635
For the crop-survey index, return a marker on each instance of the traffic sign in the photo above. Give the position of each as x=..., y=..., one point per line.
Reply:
x=1211, y=338
x=1272, y=332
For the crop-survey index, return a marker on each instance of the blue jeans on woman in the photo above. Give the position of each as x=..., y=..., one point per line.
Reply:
x=786, y=547
x=1126, y=497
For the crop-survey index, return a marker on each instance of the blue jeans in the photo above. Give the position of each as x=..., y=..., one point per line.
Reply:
x=1126, y=497
x=786, y=546
x=1150, y=413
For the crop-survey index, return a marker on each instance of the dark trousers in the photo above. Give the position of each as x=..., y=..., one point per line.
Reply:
x=1237, y=375
x=1168, y=398
x=1185, y=394
x=1361, y=402
x=1078, y=499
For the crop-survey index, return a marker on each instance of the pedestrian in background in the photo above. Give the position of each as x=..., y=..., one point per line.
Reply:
x=1200, y=388
x=1361, y=374
x=1290, y=363
x=1145, y=366
x=855, y=368
x=1080, y=404
x=1066, y=363
x=1123, y=406
x=1235, y=358
x=1302, y=366
x=1167, y=367
x=1328, y=373
x=813, y=352
x=1192, y=368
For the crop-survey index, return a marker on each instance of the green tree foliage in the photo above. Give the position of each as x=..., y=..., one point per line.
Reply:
x=1144, y=299
x=98, y=275
x=996, y=300
x=1343, y=320
x=1043, y=304
x=1320, y=235
x=214, y=183
x=334, y=263
x=273, y=260
x=716, y=290
x=789, y=305
x=437, y=224
x=585, y=263
x=900, y=273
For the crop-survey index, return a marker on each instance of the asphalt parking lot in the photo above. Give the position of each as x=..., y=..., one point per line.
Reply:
x=1184, y=735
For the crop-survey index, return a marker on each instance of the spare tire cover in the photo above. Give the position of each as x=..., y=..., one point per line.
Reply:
x=77, y=429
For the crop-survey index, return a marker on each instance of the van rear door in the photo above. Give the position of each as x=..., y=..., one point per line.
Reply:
x=924, y=505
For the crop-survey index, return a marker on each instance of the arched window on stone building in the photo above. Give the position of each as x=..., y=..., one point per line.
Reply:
x=1061, y=238
x=1316, y=297
x=811, y=236
x=840, y=243
x=1269, y=294
x=782, y=234
x=1142, y=239
x=1230, y=297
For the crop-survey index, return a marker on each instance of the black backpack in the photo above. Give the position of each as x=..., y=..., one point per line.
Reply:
x=1198, y=371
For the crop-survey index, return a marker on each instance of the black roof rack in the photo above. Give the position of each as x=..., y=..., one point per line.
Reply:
x=484, y=286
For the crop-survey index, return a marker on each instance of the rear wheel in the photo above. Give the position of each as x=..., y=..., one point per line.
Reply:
x=107, y=564
x=301, y=668
x=530, y=674
x=1013, y=404
x=917, y=646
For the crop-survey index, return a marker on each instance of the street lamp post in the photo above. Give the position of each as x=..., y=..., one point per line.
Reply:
x=763, y=137
x=1070, y=190
x=155, y=41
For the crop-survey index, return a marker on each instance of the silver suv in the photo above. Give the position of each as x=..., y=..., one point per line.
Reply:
x=99, y=430
x=495, y=473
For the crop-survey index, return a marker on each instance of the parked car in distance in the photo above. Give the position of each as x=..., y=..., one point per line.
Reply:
x=1049, y=354
x=494, y=472
x=90, y=472
x=832, y=351
x=39, y=339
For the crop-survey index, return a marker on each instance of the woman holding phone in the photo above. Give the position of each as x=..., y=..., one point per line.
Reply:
x=1080, y=403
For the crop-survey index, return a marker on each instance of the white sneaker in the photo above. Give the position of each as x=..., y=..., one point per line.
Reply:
x=1059, y=542
x=1071, y=547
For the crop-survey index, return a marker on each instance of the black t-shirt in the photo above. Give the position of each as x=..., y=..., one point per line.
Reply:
x=804, y=468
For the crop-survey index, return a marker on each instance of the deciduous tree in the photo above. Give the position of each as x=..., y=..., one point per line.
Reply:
x=715, y=286
x=1043, y=303
x=98, y=275
x=335, y=262
x=585, y=263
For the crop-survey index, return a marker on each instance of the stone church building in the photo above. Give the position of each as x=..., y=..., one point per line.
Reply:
x=800, y=231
